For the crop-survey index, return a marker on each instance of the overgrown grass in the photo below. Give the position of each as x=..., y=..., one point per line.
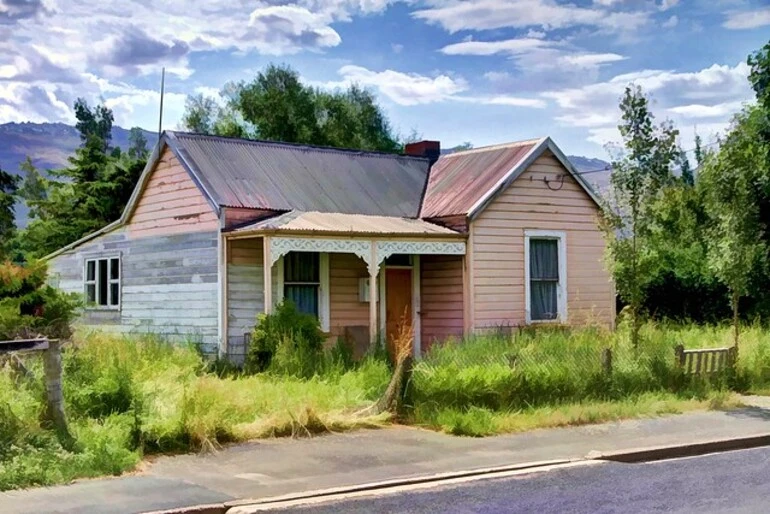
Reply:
x=129, y=396
x=480, y=421
x=554, y=376
x=126, y=397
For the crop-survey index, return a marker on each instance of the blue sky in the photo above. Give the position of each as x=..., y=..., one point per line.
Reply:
x=484, y=71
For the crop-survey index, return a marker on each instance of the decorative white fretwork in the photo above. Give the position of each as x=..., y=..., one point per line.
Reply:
x=280, y=246
x=387, y=248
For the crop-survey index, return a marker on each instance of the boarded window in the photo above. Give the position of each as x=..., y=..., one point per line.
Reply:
x=302, y=281
x=102, y=282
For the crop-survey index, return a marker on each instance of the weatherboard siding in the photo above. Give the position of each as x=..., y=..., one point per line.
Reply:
x=171, y=203
x=441, y=298
x=345, y=308
x=168, y=284
x=498, y=248
x=245, y=293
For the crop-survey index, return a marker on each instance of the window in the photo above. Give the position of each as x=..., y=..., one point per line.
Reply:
x=302, y=281
x=102, y=282
x=545, y=263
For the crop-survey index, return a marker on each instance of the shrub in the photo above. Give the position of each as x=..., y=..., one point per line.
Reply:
x=28, y=306
x=299, y=333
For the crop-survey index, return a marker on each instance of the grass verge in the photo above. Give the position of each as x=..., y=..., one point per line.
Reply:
x=480, y=421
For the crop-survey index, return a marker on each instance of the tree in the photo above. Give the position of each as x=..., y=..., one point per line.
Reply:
x=8, y=186
x=736, y=246
x=685, y=170
x=277, y=106
x=137, y=145
x=96, y=122
x=97, y=185
x=637, y=180
x=698, y=150
x=200, y=114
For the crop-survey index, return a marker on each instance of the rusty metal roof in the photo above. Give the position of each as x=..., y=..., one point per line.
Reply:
x=283, y=177
x=297, y=221
x=459, y=180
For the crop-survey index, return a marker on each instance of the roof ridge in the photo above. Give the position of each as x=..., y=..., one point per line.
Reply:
x=289, y=145
x=498, y=146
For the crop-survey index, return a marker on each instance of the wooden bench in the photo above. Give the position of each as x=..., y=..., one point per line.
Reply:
x=705, y=361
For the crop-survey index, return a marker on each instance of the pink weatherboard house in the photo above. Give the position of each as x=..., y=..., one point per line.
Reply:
x=495, y=236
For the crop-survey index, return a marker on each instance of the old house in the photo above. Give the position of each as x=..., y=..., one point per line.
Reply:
x=219, y=230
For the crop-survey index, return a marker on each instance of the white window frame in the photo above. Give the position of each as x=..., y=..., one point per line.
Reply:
x=96, y=282
x=561, y=289
x=323, y=287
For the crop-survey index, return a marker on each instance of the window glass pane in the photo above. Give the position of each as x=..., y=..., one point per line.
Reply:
x=91, y=270
x=114, y=294
x=304, y=297
x=102, y=282
x=91, y=293
x=301, y=267
x=115, y=269
x=544, y=259
x=543, y=300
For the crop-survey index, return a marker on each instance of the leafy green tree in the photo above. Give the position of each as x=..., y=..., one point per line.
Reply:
x=277, y=106
x=8, y=186
x=733, y=176
x=137, y=145
x=94, y=123
x=200, y=114
x=698, y=150
x=92, y=190
x=685, y=170
x=638, y=177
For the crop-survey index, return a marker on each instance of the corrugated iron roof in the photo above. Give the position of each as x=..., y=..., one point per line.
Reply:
x=459, y=180
x=281, y=176
x=329, y=222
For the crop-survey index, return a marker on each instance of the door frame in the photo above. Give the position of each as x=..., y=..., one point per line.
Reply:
x=382, y=286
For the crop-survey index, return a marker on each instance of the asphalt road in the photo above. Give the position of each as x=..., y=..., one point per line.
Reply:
x=734, y=482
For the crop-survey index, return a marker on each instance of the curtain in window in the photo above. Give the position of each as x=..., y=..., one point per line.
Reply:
x=301, y=278
x=544, y=278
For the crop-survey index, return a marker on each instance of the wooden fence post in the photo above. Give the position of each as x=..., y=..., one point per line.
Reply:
x=679, y=355
x=607, y=361
x=54, y=396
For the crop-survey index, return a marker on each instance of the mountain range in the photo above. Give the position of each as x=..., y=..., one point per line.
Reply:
x=50, y=144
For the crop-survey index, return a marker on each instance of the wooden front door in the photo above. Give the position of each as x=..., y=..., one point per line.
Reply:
x=398, y=302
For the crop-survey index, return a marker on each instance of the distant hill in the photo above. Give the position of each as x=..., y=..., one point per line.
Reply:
x=50, y=144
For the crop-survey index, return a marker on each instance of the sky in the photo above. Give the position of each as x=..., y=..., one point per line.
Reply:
x=481, y=71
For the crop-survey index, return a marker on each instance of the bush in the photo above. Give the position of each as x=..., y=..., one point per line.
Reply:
x=297, y=334
x=29, y=307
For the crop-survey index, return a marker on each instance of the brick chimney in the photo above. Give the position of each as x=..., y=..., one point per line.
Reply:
x=429, y=149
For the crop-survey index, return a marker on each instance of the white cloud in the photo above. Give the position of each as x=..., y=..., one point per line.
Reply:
x=670, y=23
x=455, y=15
x=712, y=93
x=707, y=111
x=413, y=89
x=665, y=5
x=533, y=54
x=402, y=88
x=397, y=48
x=507, y=46
x=70, y=48
x=288, y=29
x=589, y=60
x=747, y=19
